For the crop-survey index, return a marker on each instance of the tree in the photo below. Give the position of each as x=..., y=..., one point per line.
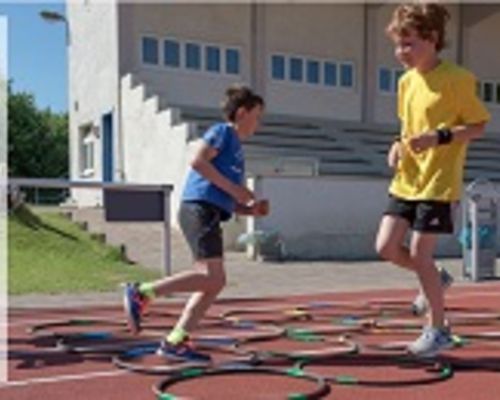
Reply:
x=38, y=140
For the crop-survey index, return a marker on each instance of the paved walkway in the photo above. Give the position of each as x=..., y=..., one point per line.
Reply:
x=250, y=279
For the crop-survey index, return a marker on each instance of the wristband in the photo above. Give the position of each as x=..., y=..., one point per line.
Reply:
x=444, y=136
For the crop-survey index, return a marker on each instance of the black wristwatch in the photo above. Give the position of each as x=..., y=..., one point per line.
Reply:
x=444, y=136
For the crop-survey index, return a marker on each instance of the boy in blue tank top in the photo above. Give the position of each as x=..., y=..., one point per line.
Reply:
x=213, y=191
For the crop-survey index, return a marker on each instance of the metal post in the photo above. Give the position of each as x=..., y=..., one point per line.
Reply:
x=475, y=250
x=167, y=251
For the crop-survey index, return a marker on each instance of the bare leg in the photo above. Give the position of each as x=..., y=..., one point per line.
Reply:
x=199, y=302
x=422, y=251
x=390, y=241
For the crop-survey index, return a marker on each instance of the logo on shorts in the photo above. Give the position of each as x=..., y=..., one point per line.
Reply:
x=434, y=222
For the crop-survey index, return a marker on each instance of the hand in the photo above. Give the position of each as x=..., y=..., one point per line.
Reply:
x=243, y=195
x=423, y=142
x=260, y=208
x=395, y=154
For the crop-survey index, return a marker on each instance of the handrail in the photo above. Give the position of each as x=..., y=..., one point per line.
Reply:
x=63, y=184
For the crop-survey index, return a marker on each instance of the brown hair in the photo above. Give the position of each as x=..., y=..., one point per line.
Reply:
x=239, y=96
x=423, y=18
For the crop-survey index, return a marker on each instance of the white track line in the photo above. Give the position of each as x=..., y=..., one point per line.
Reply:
x=62, y=378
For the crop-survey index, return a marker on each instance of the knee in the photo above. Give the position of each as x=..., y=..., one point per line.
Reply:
x=216, y=282
x=385, y=250
x=220, y=282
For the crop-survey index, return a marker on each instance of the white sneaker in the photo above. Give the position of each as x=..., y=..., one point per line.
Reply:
x=420, y=304
x=431, y=342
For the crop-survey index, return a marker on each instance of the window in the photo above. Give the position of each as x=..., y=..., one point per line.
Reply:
x=232, y=61
x=346, y=75
x=330, y=74
x=296, y=66
x=278, y=67
x=149, y=50
x=488, y=92
x=498, y=93
x=212, y=55
x=171, y=53
x=87, y=140
x=312, y=71
x=384, y=79
x=193, y=56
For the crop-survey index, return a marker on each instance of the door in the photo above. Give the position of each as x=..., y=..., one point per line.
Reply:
x=107, y=147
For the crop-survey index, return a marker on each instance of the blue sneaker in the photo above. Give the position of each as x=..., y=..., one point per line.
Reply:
x=420, y=304
x=431, y=342
x=182, y=352
x=134, y=304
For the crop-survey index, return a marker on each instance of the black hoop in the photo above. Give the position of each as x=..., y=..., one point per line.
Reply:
x=333, y=348
x=130, y=360
x=321, y=390
x=435, y=371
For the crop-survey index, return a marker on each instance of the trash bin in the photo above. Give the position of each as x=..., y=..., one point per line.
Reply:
x=479, y=230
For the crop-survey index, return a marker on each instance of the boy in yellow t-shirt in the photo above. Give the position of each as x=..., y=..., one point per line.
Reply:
x=440, y=114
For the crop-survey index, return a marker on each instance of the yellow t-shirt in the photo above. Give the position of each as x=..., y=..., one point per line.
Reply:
x=442, y=98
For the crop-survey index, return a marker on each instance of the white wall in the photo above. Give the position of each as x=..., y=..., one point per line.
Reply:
x=93, y=66
x=320, y=31
x=329, y=217
x=155, y=147
x=217, y=24
x=93, y=78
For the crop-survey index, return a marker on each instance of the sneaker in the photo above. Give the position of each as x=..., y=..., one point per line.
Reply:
x=134, y=304
x=420, y=304
x=431, y=342
x=182, y=352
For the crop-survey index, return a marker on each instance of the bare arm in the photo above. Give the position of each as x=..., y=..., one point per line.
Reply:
x=259, y=208
x=202, y=164
x=462, y=133
x=467, y=133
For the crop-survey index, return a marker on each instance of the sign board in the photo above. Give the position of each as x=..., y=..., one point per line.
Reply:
x=123, y=205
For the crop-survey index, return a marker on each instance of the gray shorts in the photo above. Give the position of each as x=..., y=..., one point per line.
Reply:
x=200, y=225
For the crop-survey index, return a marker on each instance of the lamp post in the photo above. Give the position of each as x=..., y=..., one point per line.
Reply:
x=55, y=17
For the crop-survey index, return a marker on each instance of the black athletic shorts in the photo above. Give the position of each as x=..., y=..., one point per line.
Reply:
x=200, y=225
x=423, y=215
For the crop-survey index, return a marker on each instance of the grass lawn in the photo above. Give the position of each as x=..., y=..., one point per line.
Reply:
x=50, y=254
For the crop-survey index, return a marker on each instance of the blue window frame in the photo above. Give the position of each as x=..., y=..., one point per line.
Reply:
x=149, y=50
x=330, y=74
x=193, y=56
x=312, y=71
x=296, y=69
x=346, y=75
x=278, y=67
x=212, y=59
x=384, y=80
x=172, y=53
x=232, y=61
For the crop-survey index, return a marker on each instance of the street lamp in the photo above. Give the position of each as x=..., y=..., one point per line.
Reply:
x=55, y=17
